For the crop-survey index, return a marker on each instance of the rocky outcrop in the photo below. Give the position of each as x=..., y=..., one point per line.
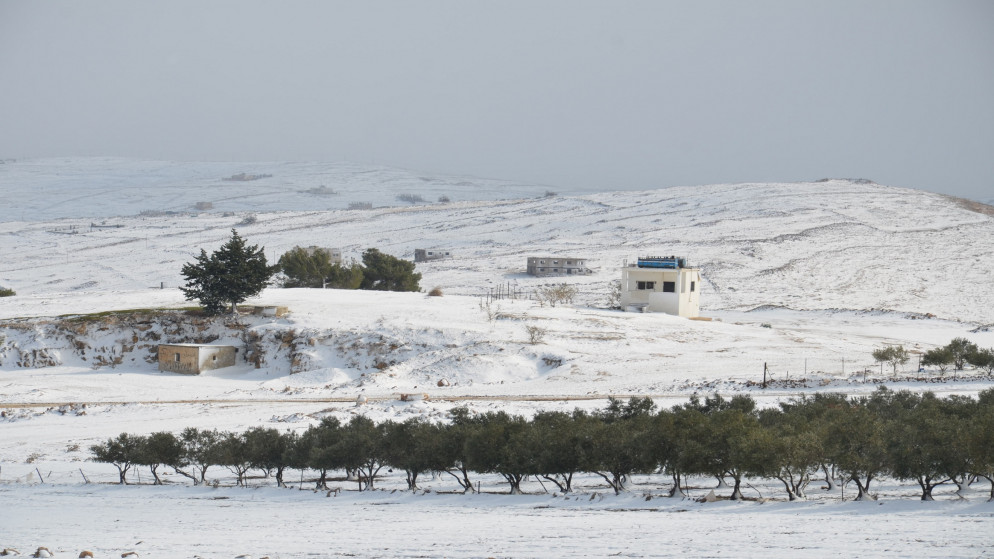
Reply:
x=132, y=339
x=108, y=339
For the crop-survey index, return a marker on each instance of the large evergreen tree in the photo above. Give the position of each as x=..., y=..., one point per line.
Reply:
x=233, y=273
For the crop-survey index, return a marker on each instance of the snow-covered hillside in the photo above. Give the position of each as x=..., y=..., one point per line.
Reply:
x=822, y=245
x=802, y=280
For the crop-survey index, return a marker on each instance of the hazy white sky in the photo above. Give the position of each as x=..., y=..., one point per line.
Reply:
x=612, y=94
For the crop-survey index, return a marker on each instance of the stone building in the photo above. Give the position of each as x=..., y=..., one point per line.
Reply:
x=193, y=359
x=557, y=266
x=334, y=254
x=430, y=254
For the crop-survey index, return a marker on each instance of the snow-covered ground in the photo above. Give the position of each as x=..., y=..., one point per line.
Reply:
x=806, y=279
x=182, y=521
x=823, y=245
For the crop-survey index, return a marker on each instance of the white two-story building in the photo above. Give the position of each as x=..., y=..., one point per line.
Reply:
x=661, y=284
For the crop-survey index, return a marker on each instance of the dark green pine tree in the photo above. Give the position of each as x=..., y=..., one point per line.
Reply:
x=384, y=272
x=305, y=269
x=230, y=275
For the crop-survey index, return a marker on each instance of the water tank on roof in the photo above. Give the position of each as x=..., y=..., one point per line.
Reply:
x=672, y=262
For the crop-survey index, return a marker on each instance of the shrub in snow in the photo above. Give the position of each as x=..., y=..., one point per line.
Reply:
x=410, y=198
x=535, y=333
x=553, y=294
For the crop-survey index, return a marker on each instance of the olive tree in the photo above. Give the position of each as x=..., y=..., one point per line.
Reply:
x=123, y=452
x=982, y=359
x=453, y=445
x=157, y=449
x=921, y=443
x=200, y=452
x=941, y=357
x=795, y=446
x=621, y=443
x=361, y=449
x=563, y=442
x=502, y=444
x=267, y=450
x=961, y=348
x=415, y=447
x=894, y=355
x=320, y=445
x=233, y=453
x=857, y=444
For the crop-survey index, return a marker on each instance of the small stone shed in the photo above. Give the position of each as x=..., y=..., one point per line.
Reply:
x=193, y=359
x=334, y=254
x=267, y=310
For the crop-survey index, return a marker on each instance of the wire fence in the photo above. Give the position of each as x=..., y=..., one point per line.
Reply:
x=780, y=369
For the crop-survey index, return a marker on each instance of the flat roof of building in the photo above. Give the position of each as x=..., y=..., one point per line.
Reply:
x=197, y=345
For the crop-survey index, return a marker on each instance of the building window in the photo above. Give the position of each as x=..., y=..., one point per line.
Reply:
x=693, y=285
x=645, y=285
x=669, y=287
x=213, y=357
x=176, y=357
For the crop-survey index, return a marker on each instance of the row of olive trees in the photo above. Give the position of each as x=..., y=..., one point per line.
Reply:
x=907, y=436
x=957, y=353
